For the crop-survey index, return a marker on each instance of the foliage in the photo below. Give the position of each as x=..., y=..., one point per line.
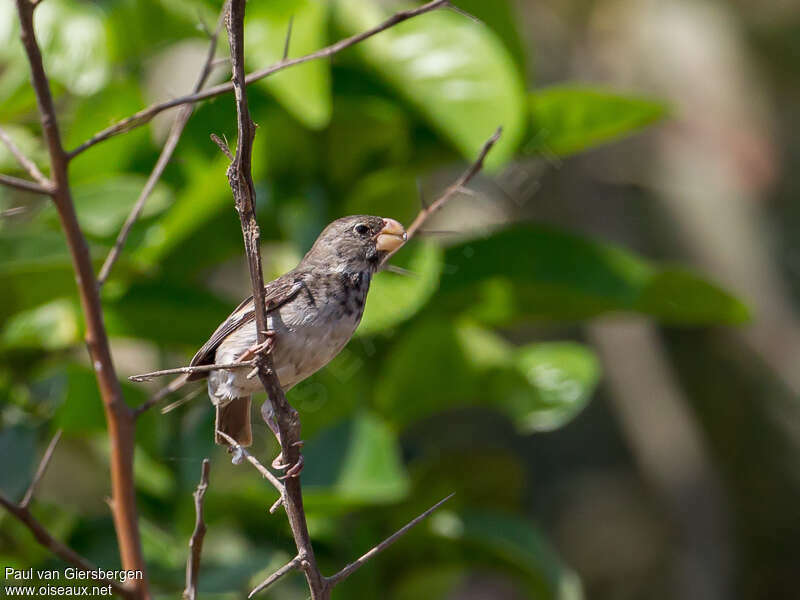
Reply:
x=349, y=135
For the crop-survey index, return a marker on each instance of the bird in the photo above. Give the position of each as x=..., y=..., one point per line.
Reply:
x=312, y=312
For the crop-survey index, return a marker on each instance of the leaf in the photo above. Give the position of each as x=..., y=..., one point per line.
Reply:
x=457, y=74
x=18, y=449
x=103, y=205
x=438, y=365
x=516, y=542
x=73, y=42
x=562, y=376
x=394, y=298
x=166, y=313
x=303, y=90
x=570, y=119
x=556, y=275
x=51, y=326
x=355, y=463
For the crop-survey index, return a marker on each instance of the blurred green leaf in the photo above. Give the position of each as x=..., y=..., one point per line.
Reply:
x=569, y=119
x=166, y=313
x=455, y=72
x=355, y=463
x=18, y=449
x=29, y=144
x=73, y=41
x=103, y=205
x=437, y=365
x=51, y=326
x=80, y=409
x=389, y=192
x=503, y=17
x=304, y=90
x=515, y=541
x=393, y=298
x=556, y=275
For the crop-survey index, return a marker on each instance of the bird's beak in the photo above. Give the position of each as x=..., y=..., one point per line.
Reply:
x=391, y=237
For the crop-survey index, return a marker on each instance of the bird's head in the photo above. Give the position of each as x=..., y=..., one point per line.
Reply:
x=357, y=243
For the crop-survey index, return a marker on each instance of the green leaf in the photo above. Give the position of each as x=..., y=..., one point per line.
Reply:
x=355, y=463
x=438, y=365
x=304, y=90
x=395, y=298
x=456, y=73
x=556, y=275
x=516, y=542
x=73, y=42
x=562, y=378
x=103, y=205
x=569, y=119
x=51, y=326
x=166, y=313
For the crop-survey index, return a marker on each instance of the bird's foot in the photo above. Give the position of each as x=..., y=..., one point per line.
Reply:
x=237, y=454
x=291, y=470
x=258, y=348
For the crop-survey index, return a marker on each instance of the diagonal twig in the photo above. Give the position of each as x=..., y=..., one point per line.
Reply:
x=23, y=184
x=290, y=566
x=455, y=188
x=146, y=114
x=199, y=533
x=23, y=160
x=43, y=464
x=174, y=136
x=265, y=473
x=359, y=562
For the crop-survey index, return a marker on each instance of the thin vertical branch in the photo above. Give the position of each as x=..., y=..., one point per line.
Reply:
x=198, y=535
x=119, y=417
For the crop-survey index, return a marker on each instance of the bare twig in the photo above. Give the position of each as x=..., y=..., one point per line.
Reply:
x=290, y=566
x=456, y=187
x=119, y=417
x=10, y=212
x=40, y=471
x=146, y=114
x=199, y=533
x=23, y=184
x=265, y=473
x=187, y=370
x=222, y=144
x=62, y=551
x=166, y=154
x=23, y=160
x=287, y=419
x=358, y=563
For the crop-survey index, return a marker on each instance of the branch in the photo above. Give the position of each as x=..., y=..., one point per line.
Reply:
x=287, y=419
x=65, y=553
x=119, y=418
x=290, y=566
x=358, y=563
x=43, y=464
x=455, y=188
x=23, y=160
x=187, y=370
x=265, y=473
x=146, y=114
x=166, y=154
x=23, y=184
x=199, y=533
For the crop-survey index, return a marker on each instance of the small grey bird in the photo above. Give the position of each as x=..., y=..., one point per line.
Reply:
x=313, y=311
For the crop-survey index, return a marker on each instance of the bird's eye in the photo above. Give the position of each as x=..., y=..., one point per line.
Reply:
x=361, y=229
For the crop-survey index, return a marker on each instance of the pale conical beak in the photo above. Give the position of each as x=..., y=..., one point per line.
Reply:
x=391, y=237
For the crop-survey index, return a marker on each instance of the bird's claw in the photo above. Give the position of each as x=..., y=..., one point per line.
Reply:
x=258, y=348
x=293, y=470
x=237, y=455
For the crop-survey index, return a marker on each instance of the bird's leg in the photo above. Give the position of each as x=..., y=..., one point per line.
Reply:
x=268, y=414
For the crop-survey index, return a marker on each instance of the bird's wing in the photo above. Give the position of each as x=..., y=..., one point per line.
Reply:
x=277, y=293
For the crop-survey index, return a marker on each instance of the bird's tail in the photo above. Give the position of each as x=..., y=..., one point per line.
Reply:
x=233, y=419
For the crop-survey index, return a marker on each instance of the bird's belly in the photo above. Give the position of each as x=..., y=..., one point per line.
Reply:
x=299, y=350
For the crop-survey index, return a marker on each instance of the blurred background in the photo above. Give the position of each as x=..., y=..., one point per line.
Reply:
x=595, y=349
